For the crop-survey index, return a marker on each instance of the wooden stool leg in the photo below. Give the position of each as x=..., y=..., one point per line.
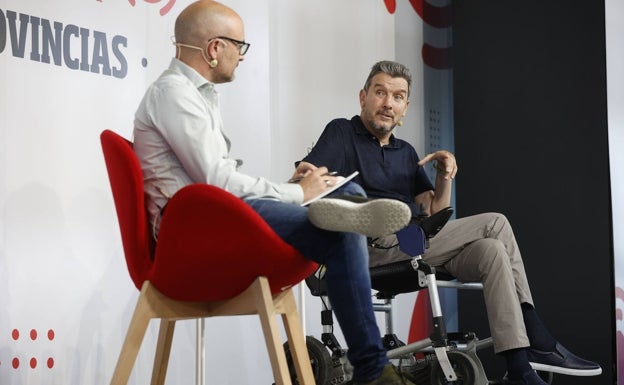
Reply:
x=296, y=340
x=266, y=311
x=132, y=343
x=163, y=350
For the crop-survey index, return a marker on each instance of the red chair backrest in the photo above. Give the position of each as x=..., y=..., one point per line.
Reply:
x=211, y=244
x=126, y=180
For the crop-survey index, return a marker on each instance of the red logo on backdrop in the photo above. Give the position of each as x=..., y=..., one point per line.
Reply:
x=416, y=4
x=438, y=17
x=420, y=325
x=163, y=11
x=33, y=362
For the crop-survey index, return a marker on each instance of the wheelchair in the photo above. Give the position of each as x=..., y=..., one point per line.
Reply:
x=442, y=358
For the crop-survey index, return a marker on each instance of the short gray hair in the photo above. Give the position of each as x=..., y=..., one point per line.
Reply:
x=392, y=68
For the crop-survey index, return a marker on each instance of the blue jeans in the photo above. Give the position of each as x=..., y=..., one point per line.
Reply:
x=348, y=281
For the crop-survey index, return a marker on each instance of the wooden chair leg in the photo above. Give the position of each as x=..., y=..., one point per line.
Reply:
x=257, y=298
x=132, y=343
x=163, y=350
x=266, y=311
x=296, y=340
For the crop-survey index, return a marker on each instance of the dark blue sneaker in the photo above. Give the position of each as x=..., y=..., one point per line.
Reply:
x=562, y=361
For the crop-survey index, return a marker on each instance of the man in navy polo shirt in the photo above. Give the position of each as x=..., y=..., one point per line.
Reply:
x=480, y=248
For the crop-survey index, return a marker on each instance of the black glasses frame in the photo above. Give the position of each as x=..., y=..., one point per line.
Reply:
x=243, y=46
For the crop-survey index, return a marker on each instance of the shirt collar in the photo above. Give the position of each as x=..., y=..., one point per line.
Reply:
x=361, y=130
x=189, y=72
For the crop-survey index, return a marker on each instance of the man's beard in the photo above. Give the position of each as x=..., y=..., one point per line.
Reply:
x=382, y=129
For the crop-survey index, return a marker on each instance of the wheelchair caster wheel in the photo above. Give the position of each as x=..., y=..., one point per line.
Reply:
x=319, y=359
x=463, y=365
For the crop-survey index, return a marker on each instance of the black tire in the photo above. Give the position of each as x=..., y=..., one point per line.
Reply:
x=462, y=364
x=420, y=372
x=319, y=359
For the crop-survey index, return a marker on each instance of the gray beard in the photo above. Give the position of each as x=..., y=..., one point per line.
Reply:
x=382, y=130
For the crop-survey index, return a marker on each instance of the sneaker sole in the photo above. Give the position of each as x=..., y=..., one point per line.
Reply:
x=374, y=218
x=568, y=371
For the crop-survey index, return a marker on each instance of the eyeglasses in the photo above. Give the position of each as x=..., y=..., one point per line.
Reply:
x=243, y=46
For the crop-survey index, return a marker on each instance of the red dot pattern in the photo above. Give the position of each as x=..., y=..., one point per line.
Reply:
x=33, y=362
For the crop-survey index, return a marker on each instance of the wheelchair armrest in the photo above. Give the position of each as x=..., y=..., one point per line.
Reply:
x=433, y=224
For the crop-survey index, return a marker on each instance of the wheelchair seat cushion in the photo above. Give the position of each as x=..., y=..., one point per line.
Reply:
x=400, y=277
x=395, y=278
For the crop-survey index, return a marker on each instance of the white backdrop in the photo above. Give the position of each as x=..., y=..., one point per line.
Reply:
x=65, y=295
x=614, y=9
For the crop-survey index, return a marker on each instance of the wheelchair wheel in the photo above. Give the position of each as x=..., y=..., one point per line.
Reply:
x=319, y=359
x=463, y=365
x=420, y=372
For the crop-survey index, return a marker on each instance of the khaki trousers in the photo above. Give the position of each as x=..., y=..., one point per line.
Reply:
x=480, y=248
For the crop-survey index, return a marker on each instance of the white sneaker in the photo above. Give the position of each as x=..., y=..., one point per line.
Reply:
x=373, y=218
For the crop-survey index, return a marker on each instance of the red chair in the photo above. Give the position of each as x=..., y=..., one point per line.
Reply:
x=215, y=256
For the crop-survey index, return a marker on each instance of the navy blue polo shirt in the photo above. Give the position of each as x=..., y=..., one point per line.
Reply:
x=389, y=171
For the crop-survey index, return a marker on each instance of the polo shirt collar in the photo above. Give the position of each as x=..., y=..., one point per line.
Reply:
x=361, y=130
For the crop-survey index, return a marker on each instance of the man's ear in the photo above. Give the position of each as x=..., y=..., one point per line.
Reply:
x=362, y=97
x=213, y=47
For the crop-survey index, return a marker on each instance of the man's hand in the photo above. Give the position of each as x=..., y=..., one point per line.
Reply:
x=303, y=170
x=445, y=165
x=315, y=182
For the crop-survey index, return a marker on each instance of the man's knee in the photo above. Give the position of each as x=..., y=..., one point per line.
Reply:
x=497, y=225
x=345, y=248
x=492, y=255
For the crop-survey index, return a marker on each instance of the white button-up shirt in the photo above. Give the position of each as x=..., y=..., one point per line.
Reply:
x=179, y=140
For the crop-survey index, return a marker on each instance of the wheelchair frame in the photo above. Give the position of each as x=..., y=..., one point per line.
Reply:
x=448, y=357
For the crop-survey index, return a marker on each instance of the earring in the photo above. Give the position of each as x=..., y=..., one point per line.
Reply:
x=400, y=123
x=213, y=63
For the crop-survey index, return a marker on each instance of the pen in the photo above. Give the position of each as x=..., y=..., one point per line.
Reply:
x=298, y=179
